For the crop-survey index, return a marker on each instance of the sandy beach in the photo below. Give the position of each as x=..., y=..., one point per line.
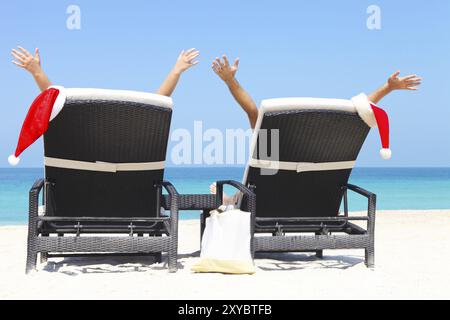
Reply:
x=412, y=259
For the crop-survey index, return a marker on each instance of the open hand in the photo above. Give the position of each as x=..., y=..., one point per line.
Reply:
x=186, y=59
x=224, y=70
x=410, y=82
x=26, y=60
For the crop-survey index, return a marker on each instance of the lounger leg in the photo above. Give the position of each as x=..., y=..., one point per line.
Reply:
x=319, y=254
x=44, y=257
x=203, y=216
x=370, y=250
x=32, y=254
x=31, y=261
x=173, y=267
x=158, y=257
x=173, y=248
x=32, y=228
x=370, y=257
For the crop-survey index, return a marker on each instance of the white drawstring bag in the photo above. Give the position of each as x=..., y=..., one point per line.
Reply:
x=226, y=243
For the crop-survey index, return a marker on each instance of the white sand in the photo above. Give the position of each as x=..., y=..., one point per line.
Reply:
x=412, y=261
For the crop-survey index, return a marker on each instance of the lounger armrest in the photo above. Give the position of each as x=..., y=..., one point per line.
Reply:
x=34, y=198
x=361, y=191
x=371, y=199
x=171, y=190
x=235, y=184
x=37, y=186
x=173, y=199
x=251, y=197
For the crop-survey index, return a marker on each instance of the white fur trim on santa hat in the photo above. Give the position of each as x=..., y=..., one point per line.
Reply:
x=362, y=105
x=13, y=160
x=59, y=103
x=386, y=154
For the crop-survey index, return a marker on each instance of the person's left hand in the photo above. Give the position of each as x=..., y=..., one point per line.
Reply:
x=410, y=82
x=26, y=60
x=186, y=59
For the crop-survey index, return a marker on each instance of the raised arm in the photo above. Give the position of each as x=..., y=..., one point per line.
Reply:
x=410, y=82
x=227, y=73
x=32, y=64
x=185, y=60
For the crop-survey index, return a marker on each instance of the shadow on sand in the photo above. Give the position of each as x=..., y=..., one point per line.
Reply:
x=300, y=261
x=74, y=266
x=265, y=261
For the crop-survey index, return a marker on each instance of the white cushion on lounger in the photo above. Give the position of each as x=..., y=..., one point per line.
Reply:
x=119, y=95
x=283, y=104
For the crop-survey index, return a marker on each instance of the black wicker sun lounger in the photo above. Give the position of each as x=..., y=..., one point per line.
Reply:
x=104, y=167
x=299, y=194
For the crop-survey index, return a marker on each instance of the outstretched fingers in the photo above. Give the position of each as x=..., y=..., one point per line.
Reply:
x=18, y=64
x=225, y=61
x=412, y=82
x=192, y=56
x=25, y=52
x=191, y=50
x=19, y=56
x=219, y=62
x=411, y=76
x=224, y=69
x=413, y=79
x=20, y=59
x=413, y=86
x=215, y=66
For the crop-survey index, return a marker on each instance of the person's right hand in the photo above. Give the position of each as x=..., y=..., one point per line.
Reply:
x=186, y=60
x=26, y=60
x=224, y=70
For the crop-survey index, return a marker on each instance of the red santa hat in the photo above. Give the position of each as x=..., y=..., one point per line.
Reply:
x=43, y=110
x=374, y=117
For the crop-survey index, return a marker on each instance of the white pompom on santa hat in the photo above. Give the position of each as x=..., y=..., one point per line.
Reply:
x=43, y=110
x=374, y=117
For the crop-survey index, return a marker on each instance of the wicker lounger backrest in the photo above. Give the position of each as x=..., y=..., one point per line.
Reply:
x=107, y=128
x=314, y=136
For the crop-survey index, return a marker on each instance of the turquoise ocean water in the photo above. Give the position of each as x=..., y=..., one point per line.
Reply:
x=397, y=188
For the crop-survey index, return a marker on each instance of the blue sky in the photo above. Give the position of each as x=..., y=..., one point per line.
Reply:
x=287, y=48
